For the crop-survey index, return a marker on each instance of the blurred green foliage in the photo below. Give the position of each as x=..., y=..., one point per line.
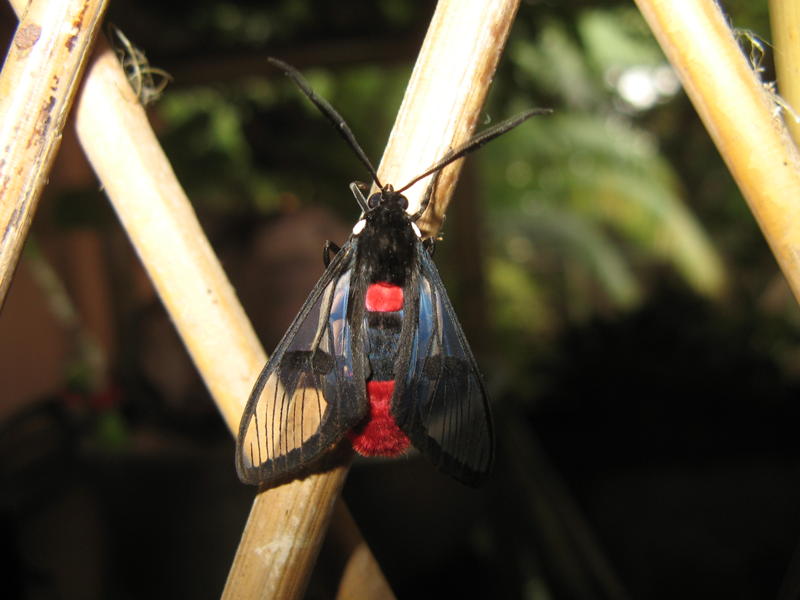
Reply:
x=601, y=201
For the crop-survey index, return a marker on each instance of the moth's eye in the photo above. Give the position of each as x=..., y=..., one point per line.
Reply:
x=403, y=201
x=373, y=201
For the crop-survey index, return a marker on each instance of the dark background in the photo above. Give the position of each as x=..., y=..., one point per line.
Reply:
x=638, y=341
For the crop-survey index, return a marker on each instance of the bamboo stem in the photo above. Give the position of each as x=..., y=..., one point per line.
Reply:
x=784, y=16
x=358, y=578
x=285, y=523
x=37, y=86
x=737, y=112
x=440, y=108
x=444, y=97
x=163, y=227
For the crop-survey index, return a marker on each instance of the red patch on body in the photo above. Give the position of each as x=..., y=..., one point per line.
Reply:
x=384, y=297
x=380, y=435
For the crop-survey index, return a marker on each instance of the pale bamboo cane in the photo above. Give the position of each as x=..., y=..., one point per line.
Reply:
x=117, y=138
x=40, y=76
x=784, y=16
x=440, y=108
x=153, y=208
x=740, y=116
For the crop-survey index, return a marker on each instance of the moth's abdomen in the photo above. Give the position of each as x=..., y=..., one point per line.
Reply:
x=384, y=297
x=379, y=434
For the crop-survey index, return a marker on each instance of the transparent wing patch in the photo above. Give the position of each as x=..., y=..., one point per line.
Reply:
x=307, y=397
x=445, y=408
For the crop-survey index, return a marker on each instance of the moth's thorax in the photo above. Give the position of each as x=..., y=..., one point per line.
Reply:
x=386, y=242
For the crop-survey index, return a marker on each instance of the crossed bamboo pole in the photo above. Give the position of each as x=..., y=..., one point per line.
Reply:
x=287, y=524
x=158, y=217
x=740, y=115
x=441, y=106
x=447, y=89
x=40, y=76
x=784, y=16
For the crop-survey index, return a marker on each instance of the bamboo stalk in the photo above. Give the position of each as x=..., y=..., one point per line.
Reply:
x=784, y=17
x=357, y=578
x=738, y=114
x=37, y=85
x=441, y=105
x=444, y=97
x=124, y=152
x=153, y=208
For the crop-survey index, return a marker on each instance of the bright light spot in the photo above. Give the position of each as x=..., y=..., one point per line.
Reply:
x=643, y=87
x=637, y=87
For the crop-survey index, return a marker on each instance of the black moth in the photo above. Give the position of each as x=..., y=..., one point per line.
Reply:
x=376, y=353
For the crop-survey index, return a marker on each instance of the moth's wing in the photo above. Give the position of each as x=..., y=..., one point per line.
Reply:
x=311, y=392
x=442, y=403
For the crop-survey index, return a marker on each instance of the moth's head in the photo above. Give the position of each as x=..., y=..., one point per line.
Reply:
x=387, y=208
x=387, y=198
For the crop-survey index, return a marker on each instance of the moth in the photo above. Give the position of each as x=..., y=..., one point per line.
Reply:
x=376, y=354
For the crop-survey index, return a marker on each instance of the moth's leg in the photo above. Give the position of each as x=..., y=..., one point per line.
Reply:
x=329, y=250
x=429, y=194
x=360, y=191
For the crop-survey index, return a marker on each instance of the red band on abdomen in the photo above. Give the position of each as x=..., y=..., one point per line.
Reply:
x=380, y=435
x=384, y=297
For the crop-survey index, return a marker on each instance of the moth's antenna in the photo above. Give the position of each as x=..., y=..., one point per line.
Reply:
x=477, y=141
x=330, y=113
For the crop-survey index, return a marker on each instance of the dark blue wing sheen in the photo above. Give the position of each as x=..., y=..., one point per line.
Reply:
x=311, y=392
x=441, y=402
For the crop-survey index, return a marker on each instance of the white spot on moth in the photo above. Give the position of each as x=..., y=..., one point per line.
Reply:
x=416, y=230
x=359, y=227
